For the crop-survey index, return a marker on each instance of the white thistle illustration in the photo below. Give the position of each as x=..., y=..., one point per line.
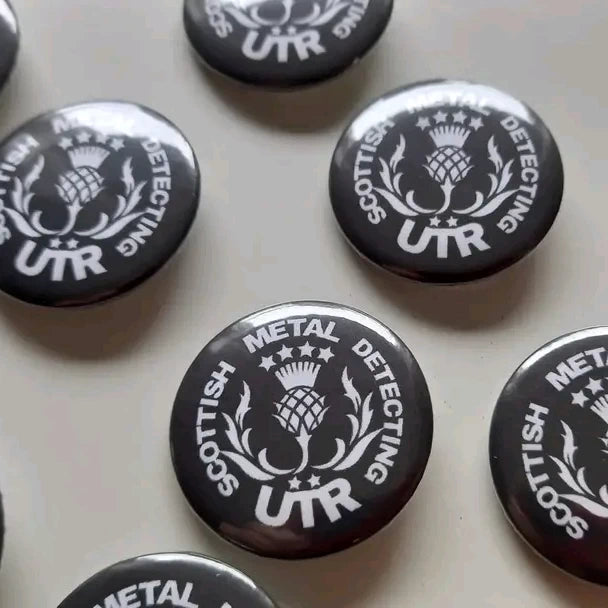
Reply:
x=447, y=165
x=574, y=478
x=360, y=421
x=77, y=188
x=257, y=467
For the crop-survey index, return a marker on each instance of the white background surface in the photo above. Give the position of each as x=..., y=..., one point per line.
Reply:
x=86, y=394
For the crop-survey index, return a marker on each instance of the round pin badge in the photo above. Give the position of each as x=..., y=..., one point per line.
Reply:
x=94, y=199
x=301, y=430
x=446, y=181
x=284, y=43
x=9, y=40
x=549, y=452
x=182, y=580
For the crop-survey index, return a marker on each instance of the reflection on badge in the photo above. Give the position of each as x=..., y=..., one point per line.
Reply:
x=292, y=432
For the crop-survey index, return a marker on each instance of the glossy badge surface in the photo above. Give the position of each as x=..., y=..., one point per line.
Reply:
x=284, y=43
x=9, y=40
x=446, y=181
x=549, y=452
x=180, y=580
x=301, y=430
x=94, y=199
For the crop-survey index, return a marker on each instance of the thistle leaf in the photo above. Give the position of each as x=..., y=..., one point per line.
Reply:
x=134, y=198
x=494, y=182
x=366, y=415
x=591, y=506
x=21, y=223
x=566, y=476
x=232, y=433
x=506, y=176
x=569, y=445
x=245, y=441
x=27, y=199
x=34, y=175
x=17, y=196
x=357, y=452
x=395, y=202
x=354, y=421
x=398, y=154
x=248, y=467
x=494, y=155
x=122, y=205
x=385, y=174
x=604, y=494
x=116, y=227
x=127, y=175
x=493, y=204
x=350, y=391
x=397, y=183
x=243, y=405
x=582, y=482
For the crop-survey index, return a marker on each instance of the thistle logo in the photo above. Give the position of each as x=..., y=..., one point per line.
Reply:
x=280, y=30
x=301, y=410
x=449, y=165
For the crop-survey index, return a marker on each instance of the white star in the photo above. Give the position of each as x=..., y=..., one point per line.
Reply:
x=101, y=139
x=423, y=123
x=595, y=386
x=435, y=221
x=452, y=222
x=440, y=117
x=476, y=123
x=276, y=31
x=294, y=484
x=579, y=399
x=325, y=354
x=313, y=481
x=267, y=363
x=292, y=30
x=55, y=243
x=65, y=143
x=117, y=144
x=72, y=244
x=83, y=137
x=306, y=350
x=285, y=353
x=459, y=117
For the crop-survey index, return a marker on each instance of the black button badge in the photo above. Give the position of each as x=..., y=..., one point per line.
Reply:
x=301, y=430
x=181, y=580
x=446, y=181
x=9, y=40
x=549, y=452
x=284, y=43
x=94, y=199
